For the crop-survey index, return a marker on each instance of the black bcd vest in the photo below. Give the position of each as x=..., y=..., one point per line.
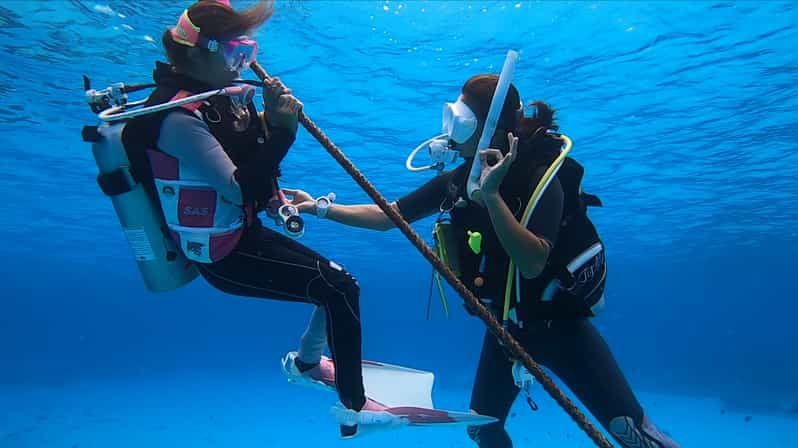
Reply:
x=576, y=234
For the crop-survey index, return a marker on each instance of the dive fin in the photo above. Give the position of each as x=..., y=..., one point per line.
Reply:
x=404, y=416
x=397, y=397
x=395, y=386
x=388, y=384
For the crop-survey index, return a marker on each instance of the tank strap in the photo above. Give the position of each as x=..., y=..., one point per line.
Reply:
x=116, y=182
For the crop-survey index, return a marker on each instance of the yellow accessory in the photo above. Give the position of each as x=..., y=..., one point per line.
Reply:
x=475, y=242
x=530, y=207
x=440, y=232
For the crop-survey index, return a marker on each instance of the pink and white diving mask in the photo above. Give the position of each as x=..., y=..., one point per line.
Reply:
x=238, y=52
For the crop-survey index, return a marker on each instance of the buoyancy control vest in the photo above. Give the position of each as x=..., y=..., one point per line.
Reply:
x=125, y=149
x=572, y=282
x=204, y=224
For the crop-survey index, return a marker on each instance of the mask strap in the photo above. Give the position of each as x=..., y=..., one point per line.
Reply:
x=540, y=131
x=519, y=117
x=185, y=32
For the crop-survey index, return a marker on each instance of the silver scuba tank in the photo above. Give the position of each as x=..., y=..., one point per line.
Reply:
x=161, y=263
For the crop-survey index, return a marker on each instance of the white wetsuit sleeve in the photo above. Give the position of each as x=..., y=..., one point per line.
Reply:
x=190, y=140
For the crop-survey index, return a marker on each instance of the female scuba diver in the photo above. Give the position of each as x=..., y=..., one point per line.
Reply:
x=214, y=165
x=558, y=254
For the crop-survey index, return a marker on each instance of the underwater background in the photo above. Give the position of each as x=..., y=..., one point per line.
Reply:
x=685, y=115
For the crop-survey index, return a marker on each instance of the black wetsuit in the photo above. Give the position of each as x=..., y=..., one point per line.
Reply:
x=240, y=164
x=571, y=348
x=269, y=265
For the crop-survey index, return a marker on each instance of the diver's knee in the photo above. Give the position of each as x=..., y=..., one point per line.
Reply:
x=645, y=435
x=349, y=285
x=490, y=436
x=341, y=280
x=352, y=287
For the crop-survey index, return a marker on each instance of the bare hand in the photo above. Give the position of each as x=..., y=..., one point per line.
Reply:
x=301, y=200
x=492, y=175
x=282, y=108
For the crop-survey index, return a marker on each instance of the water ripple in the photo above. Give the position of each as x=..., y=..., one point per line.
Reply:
x=687, y=128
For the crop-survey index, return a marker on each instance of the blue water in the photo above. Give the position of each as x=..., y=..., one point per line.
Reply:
x=685, y=115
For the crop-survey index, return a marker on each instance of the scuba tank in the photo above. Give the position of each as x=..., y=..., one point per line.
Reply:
x=162, y=265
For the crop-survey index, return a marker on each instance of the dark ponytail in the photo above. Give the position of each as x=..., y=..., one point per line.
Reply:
x=535, y=147
x=542, y=119
x=217, y=20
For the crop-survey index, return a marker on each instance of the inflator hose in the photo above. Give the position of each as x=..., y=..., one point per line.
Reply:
x=474, y=304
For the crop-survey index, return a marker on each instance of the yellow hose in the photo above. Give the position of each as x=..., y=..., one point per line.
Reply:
x=530, y=207
x=443, y=254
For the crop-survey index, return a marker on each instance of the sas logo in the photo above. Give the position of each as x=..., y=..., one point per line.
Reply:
x=195, y=248
x=196, y=211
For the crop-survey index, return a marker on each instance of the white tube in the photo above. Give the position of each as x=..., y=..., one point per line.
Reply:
x=491, y=121
x=414, y=153
x=116, y=114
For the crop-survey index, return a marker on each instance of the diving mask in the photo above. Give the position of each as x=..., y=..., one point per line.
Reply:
x=459, y=124
x=238, y=52
x=459, y=121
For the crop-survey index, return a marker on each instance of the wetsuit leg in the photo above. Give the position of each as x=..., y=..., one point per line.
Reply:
x=493, y=394
x=269, y=265
x=575, y=352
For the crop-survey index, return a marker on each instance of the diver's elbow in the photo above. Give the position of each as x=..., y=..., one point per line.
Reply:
x=384, y=222
x=534, y=267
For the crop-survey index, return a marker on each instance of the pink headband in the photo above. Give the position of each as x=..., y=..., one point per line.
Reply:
x=185, y=32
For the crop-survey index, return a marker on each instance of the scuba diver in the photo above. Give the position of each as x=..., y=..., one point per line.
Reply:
x=559, y=259
x=213, y=164
x=189, y=168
